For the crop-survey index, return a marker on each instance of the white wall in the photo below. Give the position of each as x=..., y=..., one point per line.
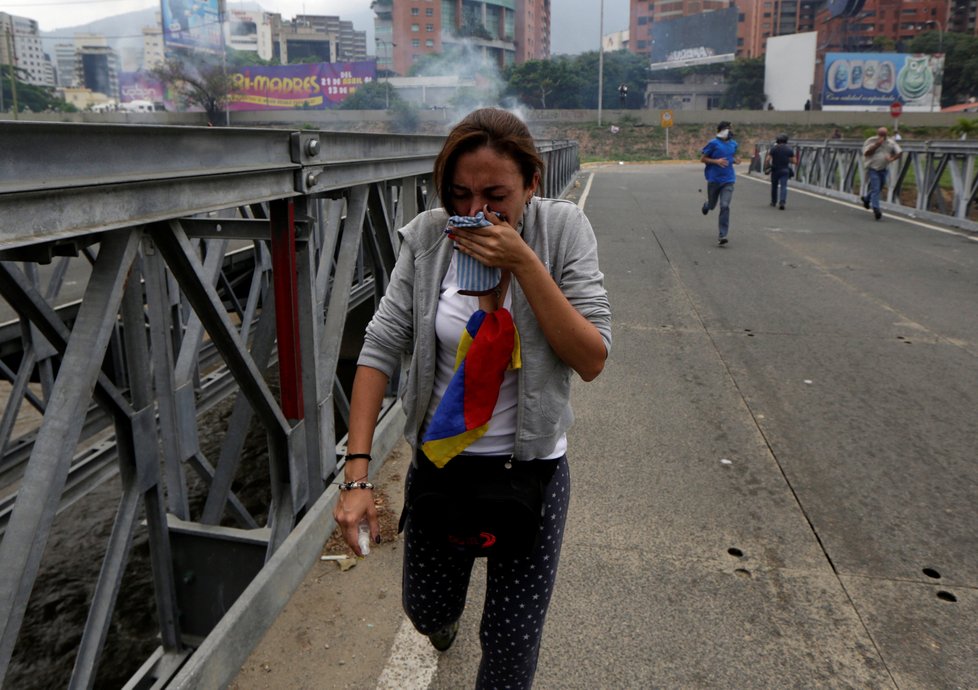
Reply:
x=789, y=68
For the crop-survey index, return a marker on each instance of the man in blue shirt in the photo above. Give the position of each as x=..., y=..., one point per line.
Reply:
x=720, y=157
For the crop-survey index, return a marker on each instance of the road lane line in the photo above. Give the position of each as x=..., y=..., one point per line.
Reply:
x=412, y=663
x=895, y=216
x=587, y=190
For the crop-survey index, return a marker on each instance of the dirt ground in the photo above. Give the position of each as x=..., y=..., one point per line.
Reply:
x=325, y=637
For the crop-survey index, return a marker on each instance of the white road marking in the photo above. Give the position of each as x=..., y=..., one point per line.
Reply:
x=412, y=663
x=913, y=221
x=587, y=190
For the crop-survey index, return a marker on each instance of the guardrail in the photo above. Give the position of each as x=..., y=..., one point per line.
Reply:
x=169, y=321
x=917, y=182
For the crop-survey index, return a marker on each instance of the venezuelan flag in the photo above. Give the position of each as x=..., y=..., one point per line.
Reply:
x=489, y=346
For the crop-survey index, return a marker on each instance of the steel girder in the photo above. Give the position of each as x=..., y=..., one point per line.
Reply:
x=172, y=321
x=837, y=168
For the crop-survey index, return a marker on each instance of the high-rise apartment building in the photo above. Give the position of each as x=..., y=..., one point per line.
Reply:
x=351, y=45
x=96, y=65
x=758, y=20
x=501, y=31
x=20, y=36
x=153, y=49
x=896, y=20
x=532, y=30
x=326, y=37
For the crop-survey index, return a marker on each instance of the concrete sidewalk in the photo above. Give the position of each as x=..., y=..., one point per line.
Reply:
x=773, y=480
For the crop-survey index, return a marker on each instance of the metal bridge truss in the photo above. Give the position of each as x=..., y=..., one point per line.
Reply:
x=207, y=255
x=837, y=168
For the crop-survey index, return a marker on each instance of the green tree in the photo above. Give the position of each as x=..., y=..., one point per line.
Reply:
x=405, y=118
x=745, y=85
x=963, y=127
x=30, y=97
x=543, y=83
x=199, y=80
x=883, y=44
x=375, y=95
x=958, y=82
x=247, y=58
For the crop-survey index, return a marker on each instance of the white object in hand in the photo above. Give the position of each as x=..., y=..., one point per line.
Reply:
x=363, y=537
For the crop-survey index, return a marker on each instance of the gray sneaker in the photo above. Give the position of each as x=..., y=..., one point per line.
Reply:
x=442, y=639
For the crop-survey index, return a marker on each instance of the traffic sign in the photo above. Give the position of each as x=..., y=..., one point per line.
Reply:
x=665, y=118
x=896, y=109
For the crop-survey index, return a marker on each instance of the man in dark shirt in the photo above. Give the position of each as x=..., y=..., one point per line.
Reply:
x=779, y=160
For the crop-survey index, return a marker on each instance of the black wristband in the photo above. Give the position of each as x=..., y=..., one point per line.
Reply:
x=354, y=456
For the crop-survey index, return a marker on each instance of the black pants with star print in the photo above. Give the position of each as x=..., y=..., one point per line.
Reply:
x=518, y=589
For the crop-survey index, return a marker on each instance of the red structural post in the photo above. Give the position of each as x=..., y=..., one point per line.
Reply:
x=282, y=217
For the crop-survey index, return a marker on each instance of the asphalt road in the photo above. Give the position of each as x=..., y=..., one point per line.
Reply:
x=774, y=479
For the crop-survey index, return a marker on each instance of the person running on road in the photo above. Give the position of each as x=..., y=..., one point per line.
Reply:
x=879, y=152
x=779, y=161
x=720, y=157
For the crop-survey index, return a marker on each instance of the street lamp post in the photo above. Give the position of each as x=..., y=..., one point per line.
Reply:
x=600, y=61
x=940, y=49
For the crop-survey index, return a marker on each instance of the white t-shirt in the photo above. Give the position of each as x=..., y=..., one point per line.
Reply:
x=454, y=311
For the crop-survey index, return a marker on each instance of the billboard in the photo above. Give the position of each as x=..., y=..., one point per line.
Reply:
x=318, y=86
x=697, y=39
x=789, y=70
x=872, y=81
x=192, y=24
x=139, y=86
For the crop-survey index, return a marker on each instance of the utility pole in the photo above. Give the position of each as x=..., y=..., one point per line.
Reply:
x=221, y=9
x=600, y=61
x=13, y=73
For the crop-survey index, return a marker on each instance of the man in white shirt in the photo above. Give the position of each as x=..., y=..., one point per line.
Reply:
x=879, y=152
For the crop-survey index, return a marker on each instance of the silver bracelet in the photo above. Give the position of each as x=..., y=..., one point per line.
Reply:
x=349, y=486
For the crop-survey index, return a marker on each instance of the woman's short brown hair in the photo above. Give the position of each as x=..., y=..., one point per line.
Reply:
x=498, y=129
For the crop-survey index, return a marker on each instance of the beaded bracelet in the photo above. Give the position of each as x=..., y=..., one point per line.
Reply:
x=349, y=486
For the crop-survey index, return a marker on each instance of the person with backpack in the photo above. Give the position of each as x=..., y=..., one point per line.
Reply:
x=778, y=163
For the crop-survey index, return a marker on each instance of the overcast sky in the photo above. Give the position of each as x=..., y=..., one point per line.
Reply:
x=572, y=20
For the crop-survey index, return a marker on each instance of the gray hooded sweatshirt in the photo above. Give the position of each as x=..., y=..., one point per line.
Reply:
x=404, y=323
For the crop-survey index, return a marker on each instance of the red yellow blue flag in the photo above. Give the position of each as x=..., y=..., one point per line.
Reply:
x=489, y=347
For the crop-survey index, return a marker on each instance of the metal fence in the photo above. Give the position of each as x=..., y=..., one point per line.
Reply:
x=199, y=258
x=933, y=180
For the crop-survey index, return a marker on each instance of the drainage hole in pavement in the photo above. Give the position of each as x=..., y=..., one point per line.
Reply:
x=734, y=551
x=930, y=572
x=743, y=572
x=946, y=596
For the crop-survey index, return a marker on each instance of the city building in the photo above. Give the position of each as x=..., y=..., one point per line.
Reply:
x=532, y=30
x=293, y=41
x=153, y=49
x=693, y=92
x=64, y=59
x=502, y=32
x=894, y=21
x=351, y=45
x=617, y=40
x=250, y=31
x=20, y=36
x=96, y=65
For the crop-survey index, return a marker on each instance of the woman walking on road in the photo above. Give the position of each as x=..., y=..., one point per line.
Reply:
x=487, y=393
